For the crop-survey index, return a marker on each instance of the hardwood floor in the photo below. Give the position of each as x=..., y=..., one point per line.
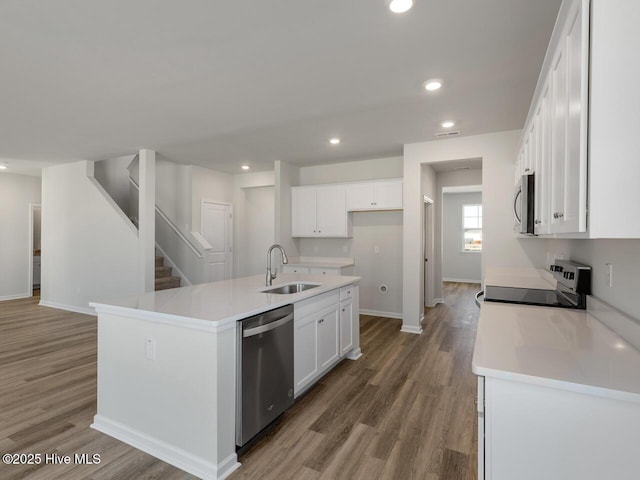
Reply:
x=405, y=410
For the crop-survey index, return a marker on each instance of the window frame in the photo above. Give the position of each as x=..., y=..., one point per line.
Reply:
x=465, y=230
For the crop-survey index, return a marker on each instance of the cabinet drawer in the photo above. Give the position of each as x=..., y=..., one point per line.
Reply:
x=346, y=292
x=294, y=269
x=324, y=271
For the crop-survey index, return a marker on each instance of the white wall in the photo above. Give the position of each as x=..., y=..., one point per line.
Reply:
x=458, y=265
x=114, y=178
x=285, y=176
x=352, y=171
x=90, y=249
x=501, y=248
x=624, y=255
x=370, y=229
x=17, y=192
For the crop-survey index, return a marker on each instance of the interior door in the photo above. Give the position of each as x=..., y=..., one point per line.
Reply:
x=217, y=230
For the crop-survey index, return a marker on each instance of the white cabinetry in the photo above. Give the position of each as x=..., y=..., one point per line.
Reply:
x=376, y=195
x=554, y=143
x=530, y=432
x=323, y=334
x=346, y=319
x=319, y=211
x=583, y=104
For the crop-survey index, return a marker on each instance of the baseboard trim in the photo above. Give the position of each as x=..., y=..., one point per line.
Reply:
x=168, y=453
x=68, y=308
x=460, y=280
x=15, y=297
x=411, y=329
x=354, y=354
x=378, y=313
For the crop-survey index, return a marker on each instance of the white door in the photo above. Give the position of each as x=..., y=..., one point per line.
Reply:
x=388, y=194
x=217, y=230
x=303, y=212
x=331, y=213
x=328, y=338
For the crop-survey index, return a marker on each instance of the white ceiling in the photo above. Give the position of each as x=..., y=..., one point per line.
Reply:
x=219, y=84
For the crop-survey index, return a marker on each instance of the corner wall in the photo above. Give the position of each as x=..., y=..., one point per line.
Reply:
x=501, y=248
x=17, y=193
x=90, y=249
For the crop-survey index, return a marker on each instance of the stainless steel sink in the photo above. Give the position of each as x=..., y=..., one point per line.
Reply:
x=291, y=288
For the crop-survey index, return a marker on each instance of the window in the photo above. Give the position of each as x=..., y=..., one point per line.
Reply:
x=472, y=228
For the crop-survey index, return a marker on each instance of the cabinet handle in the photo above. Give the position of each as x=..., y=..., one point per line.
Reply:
x=321, y=320
x=538, y=222
x=527, y=169
x=558, y=215
x=348, y=292
x=343, y=309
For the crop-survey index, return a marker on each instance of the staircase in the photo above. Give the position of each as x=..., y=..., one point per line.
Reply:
x=164, y=279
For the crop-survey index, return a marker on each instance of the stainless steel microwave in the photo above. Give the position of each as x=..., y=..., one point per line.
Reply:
x=524, y=205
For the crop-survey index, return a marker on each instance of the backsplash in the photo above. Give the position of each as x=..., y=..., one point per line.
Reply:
x=623, y=255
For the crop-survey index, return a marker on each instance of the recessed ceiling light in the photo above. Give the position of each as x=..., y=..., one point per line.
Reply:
x=334, y=141
x=399, y=6
x=447, y=124
x=4, y=166
x=433, y=84
x=245, y=167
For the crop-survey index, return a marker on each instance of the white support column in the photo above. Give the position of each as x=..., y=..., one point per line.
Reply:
x=147, y=221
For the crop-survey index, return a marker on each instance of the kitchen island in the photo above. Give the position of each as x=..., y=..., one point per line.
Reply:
x=167, y=363
x=558, y=389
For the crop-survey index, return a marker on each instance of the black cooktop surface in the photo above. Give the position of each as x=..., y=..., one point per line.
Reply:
x=527, y=296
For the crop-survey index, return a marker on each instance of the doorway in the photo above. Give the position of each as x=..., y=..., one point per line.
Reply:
x=217, y=229
x=35, y=236
x=427, y=251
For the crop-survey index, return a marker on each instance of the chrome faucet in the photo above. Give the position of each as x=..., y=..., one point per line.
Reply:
x=270, y=274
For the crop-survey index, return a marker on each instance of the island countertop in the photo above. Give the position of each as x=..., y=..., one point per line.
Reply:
x=220, y=303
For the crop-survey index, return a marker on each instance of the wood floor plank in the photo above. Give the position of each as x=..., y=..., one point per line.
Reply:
x=404, y=410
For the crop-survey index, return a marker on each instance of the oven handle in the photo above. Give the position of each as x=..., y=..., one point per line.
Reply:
x=478, y=295
x=250, y=332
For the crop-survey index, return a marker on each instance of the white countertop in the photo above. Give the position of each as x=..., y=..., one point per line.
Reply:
x=519, y=277
x=555, y=347
x=219, y=303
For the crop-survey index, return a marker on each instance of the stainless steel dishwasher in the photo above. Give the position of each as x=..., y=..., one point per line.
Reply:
x=264, y=375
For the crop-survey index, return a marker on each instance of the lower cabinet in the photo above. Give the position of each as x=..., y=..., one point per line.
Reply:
x=323, y=334
x=533, y=432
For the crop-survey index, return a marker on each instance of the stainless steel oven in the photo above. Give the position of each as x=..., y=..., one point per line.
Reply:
x=524, y=205
x=264, y=375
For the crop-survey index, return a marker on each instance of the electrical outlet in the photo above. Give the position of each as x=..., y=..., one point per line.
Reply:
x=609, y=275
x=150, y=348
x=345, y=249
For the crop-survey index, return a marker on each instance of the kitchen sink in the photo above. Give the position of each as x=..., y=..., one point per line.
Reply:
x=291, y=288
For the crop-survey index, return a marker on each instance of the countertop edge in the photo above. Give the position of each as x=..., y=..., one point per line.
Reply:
x=557, y=384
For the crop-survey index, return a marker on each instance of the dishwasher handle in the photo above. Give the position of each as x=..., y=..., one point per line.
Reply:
x=250, y=332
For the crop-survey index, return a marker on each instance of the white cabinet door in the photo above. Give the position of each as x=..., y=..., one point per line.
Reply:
x=543, y=163
x=558, y=137
x=346, y=326
x=359, y=196
x=575, y=176
x=305, y=351
x=303, y=212
x=388, y=194
x=328, y=339
x=331, y=211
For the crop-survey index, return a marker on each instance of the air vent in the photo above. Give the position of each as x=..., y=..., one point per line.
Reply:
x=448, y=134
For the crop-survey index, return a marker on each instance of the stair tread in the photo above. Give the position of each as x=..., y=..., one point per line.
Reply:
x=164, y=271
x=168, y=279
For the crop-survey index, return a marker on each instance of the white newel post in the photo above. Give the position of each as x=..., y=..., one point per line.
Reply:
x=147, y=220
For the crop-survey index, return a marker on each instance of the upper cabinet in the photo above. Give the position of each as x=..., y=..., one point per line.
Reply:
x=554, y=143
x=319, y=211
x=323, y=210
x=579, y=137
x=377, y=195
